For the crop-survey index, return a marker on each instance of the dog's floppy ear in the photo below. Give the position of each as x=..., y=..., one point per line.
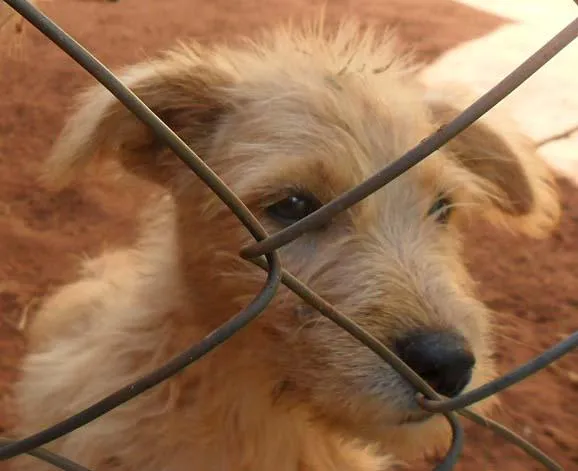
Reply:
x=183, y=88
x=517, y=186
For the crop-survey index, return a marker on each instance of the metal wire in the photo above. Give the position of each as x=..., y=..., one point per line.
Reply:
x=514, y=438
x=52, y=458
x=425, y=148
x=267, y=245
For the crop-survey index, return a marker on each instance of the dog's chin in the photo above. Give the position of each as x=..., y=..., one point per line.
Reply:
x=406, y=427
x=414, y=436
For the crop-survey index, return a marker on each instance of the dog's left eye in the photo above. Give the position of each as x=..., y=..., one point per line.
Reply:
x=441, y=209
x=293, y=208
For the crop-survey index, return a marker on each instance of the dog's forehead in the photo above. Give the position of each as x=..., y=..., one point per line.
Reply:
x=382, y=114
x=325, y=130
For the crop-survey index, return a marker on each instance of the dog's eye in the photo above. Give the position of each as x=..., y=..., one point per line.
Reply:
x=293, y=208
x=441, y=209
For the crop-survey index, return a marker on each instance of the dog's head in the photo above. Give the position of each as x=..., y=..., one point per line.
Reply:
x=290, y=123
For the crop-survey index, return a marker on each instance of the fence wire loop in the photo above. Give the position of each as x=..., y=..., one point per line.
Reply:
x=263, y=254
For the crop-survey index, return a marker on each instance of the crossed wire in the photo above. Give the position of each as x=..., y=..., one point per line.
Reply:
x=263, y=253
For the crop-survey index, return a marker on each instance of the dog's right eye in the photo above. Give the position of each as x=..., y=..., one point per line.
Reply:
x=293, y=208
x=441, y=209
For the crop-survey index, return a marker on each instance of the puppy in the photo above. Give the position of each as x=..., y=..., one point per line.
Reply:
x=289, y=121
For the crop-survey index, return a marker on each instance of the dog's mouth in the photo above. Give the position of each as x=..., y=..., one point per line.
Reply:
x=417, y=418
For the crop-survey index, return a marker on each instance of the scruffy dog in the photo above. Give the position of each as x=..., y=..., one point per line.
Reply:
x=289, y=122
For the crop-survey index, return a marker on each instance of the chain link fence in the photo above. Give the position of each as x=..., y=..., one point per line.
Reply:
x=263, y=254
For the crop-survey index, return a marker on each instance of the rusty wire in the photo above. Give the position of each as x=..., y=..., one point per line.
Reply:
x=263, y=254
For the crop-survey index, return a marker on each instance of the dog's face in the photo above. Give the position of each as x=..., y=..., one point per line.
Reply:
x=290, y=124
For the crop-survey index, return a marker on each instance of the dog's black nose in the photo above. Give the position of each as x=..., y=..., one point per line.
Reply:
x=440, y=358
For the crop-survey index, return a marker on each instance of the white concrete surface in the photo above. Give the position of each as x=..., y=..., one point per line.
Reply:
x=547, y=103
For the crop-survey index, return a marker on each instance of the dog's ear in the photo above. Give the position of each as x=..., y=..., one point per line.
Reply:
x=511, y=178
x=184, y=89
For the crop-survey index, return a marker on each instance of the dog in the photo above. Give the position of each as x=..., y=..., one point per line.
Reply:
x=289, y=121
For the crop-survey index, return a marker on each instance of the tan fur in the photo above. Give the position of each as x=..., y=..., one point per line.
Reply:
x=291, y=392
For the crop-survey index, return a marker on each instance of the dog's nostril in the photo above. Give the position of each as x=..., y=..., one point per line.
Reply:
x=440, y=358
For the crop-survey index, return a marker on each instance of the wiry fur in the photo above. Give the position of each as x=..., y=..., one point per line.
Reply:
x=300, y=109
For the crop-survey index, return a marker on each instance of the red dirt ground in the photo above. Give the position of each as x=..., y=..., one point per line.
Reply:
x=42, y=233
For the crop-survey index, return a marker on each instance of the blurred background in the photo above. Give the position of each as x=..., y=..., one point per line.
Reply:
x=531, y=284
